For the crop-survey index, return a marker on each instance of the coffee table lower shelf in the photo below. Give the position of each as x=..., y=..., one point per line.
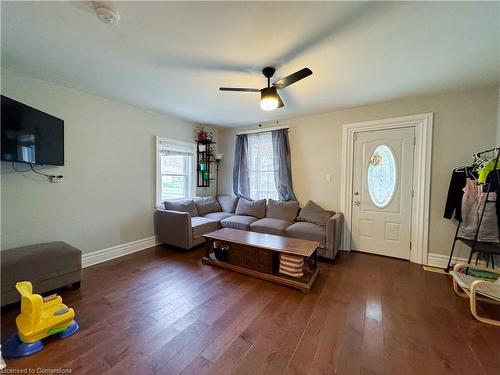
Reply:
x=283, y=280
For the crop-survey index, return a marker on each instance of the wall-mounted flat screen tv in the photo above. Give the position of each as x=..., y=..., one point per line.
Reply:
x=29, y=135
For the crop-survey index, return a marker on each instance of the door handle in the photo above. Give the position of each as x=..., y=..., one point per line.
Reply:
x=356, y=193
x=356, y=202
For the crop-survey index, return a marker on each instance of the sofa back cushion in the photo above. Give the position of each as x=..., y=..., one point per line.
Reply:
x=183, y=205
x=282, y=210
x=206, y=205
x=313, y=213
x=227, y=203
x=251, y=208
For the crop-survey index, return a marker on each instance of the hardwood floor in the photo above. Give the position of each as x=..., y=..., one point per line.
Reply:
x=163, y=312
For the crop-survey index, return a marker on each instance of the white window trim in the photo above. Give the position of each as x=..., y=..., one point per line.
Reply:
x=423, y=124
x=192, y=146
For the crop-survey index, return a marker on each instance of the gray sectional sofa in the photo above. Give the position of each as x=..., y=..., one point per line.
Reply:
x=182, y=223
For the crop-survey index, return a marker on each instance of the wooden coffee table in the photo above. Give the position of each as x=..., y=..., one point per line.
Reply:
x=257, y=254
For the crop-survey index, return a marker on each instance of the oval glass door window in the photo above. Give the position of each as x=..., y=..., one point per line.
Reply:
x=382, y=176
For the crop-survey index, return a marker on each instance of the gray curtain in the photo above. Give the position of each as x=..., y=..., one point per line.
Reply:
x=241, y=181
x=282, y=165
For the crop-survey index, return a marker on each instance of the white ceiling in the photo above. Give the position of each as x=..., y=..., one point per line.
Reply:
x=171, y=57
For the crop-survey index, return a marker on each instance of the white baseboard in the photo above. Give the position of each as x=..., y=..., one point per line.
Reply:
x=99, y=256
x=113, y=252
x=441, y=261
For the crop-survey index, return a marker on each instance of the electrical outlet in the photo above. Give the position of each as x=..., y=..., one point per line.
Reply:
x=55, y=179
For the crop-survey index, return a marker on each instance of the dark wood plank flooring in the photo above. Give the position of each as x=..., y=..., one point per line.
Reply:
x=162, y=312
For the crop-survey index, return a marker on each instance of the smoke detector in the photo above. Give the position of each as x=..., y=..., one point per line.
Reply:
x=107, y=15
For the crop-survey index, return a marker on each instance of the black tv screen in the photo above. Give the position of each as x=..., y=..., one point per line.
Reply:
x=30, y=135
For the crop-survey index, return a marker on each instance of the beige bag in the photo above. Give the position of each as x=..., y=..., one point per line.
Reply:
x=472, y=206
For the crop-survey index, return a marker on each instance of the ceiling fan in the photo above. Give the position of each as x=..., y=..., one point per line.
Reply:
x=269, y=98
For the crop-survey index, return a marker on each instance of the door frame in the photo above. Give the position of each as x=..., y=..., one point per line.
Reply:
x=423, y=124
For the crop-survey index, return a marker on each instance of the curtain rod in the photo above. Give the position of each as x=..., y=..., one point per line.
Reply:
x=263, y=130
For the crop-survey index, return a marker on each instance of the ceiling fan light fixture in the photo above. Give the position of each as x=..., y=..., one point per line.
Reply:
x=269, y=99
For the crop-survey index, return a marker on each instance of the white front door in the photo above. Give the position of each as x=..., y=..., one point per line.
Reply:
x=382, y=191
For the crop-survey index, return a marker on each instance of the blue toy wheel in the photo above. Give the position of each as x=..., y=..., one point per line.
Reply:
x=13, y=347
x=72, y=328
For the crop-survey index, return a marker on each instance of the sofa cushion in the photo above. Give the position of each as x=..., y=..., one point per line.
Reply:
x=202, y=226
x=240, y=222
x=251, y=208
x=307, y=231
x=183, y=205
x=228, y=203
x=282, y=210
x=205, y=205
x=217, y=216
x=270, y=226
x=313, y=213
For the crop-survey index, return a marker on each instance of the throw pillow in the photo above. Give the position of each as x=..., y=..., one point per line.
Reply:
x=284, y=210
x=312, y=213
x=251, y=208
x=183, y=205
x=205, y=205
x=227, y=203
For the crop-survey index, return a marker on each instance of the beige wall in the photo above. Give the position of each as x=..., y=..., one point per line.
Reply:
x=107, y=196
x=464, y=122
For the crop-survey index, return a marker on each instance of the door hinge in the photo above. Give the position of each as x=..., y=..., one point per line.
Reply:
x=414, y=141
x=412, y=193
x=410, y=245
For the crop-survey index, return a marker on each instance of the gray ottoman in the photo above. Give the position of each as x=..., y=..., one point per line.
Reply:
x=47, y=266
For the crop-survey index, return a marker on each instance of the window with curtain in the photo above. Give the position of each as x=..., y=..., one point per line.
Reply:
x=261, y=167
x=175, y=170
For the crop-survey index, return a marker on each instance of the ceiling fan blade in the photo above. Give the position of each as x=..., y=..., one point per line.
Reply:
x=292, y=78
x=241, y=89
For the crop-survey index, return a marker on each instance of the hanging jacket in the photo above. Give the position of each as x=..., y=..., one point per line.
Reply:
x=486, y=169
x=455, y=193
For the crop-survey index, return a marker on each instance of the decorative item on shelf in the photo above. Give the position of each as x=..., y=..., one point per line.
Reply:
x=218, y=157
x=203, y=165
x=203, y=134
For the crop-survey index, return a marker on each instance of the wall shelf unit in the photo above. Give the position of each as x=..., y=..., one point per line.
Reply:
x=204, y=158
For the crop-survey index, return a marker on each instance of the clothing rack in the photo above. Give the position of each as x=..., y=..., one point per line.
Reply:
x=490, y=248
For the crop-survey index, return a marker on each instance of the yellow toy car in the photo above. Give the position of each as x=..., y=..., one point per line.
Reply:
x=40, y=317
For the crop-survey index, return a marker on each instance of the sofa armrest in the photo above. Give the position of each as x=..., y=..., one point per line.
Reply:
x=334, y=234
x=174, y=228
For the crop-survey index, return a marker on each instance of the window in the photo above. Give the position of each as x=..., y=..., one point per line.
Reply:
x=382, y=176
x=175, y=170
x=261, y=168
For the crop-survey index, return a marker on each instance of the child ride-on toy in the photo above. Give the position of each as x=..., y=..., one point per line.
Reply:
x=40, y=317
